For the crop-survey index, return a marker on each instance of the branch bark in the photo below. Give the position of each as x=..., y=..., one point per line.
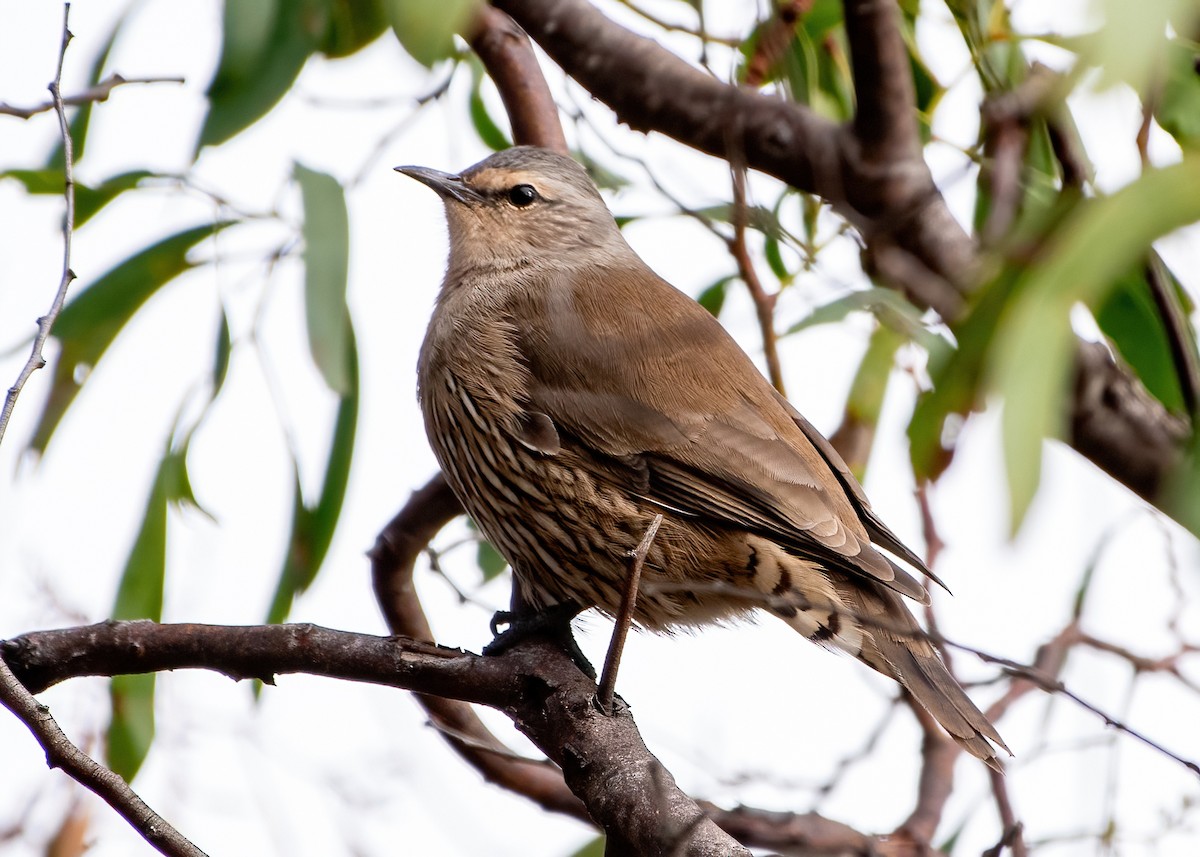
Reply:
x=913, y=242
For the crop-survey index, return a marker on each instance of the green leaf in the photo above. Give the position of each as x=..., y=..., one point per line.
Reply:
x=426, y=28
x=713, y=297
x=327, y=260
x=1178, y=108
x=313, y=526
x=131, y=730
x=221, y=355
x=1031, y=362
x=487, y=129
x=90, y=322
x=595, y=848
x=490, y=562
x=353, y=24
x=1130, y=318
x=264, y=45
x=88, y=199
x=140, y=596
x=756, y=217
x=856, y=434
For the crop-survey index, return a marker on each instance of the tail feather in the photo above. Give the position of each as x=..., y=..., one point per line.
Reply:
x=894, y=646
x=872, y=623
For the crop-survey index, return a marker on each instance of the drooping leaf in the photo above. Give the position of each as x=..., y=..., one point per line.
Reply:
x=485, y=126
x=89, y=323
x=140, y=596
x=490, y=562
x=264, y=45
x=855, y=436
x=326, y=262
x=221, y=355
x=353, y=24
x=595, y=848
x=1178, y=107
x=426, y=27
x=712, y=298
x=1130, y=318
x=88, y=199
x=1031, y=362
x=131, y=730
x=313, y=525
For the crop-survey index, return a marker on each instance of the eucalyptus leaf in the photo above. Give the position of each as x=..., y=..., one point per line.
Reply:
x=1031, y=361
x=326, y=263
x=91, y=321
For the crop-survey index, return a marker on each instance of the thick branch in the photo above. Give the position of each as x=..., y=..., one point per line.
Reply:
x=509, y=59
x=602, y=757
x=914, y=244
x=885, y=117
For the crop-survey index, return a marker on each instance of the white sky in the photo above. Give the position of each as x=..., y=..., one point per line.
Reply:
x=751, y=714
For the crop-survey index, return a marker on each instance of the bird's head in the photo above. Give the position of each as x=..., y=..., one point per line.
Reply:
x=524, y=207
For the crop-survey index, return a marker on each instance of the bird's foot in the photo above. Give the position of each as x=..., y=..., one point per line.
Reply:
x=554, y=623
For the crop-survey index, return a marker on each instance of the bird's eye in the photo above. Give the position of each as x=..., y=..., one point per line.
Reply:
x=522, y=195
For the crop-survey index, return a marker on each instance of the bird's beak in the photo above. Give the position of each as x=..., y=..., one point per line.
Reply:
x=445, y=185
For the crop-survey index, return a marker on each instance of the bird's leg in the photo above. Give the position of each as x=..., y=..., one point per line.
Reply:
x=553, y=622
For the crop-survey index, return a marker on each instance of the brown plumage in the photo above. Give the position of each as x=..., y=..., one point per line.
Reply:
x=570, y=394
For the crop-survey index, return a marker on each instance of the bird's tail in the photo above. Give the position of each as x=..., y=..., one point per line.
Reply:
x=889, y=640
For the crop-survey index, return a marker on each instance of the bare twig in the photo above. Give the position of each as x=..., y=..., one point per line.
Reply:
x=624, y=618
x=61, y=753
x=36, y=359
x=92, y=95
x=1012, y=836
x=764, y=304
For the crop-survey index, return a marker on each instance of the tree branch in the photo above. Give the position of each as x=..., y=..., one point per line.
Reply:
x=512, y=65
x=913, y=242
x=603, y=758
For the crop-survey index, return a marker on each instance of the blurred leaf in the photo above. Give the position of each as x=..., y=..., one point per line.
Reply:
x=1130, y=44
x=601, y=176
x=855, y=436
x=140, y=596
x=595, y=848
x=313, y=526
x=755, y=217
x=90, y=322
x=264, y=46
x=78, y=126
x=490, y=562
x=88, y=200
x=713, y=297
x=1031, y=363
x=326, y=262
x=353, y=24
x=888, y=306
x=131, y=730
x=955, y=377
x=1178, y=108
x=487, y=129
x=1130, y=318
x=426, y=28
x=221, y=356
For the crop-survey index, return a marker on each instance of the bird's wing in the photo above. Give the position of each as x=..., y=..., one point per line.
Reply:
x=682, y=414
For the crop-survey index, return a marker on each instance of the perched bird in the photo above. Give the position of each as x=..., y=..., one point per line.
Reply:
x=571, y=394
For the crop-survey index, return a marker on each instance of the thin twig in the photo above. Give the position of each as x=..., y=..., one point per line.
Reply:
x=92, y=95
x=36, y=360
x=612, y=660
x=1179, y=336
x=61, y=753
x=1012, y=837
x=764, y=304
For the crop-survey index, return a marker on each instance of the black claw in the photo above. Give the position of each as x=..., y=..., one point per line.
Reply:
x=554, y=623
